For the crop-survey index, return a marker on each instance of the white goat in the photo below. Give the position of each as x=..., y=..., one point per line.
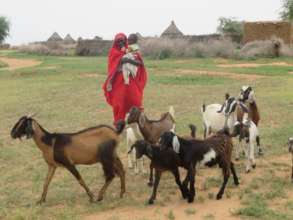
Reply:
x=133, y=134
x=215, y=119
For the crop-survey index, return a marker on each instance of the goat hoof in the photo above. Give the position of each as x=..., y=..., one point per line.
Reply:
x=150, y=202
x=150, y=184
x=237, y=158
x=190, y=200
x=260, y=152
x=236, y=182
x=219, y=196
x=254, y=166
x=99, y=199
x=247, y=171
x=40, y=202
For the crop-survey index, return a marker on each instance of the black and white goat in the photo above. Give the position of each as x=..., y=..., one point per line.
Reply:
x=216, y=149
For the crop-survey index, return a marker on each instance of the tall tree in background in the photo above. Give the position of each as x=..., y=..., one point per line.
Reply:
x=4, y=28
x=287, y=10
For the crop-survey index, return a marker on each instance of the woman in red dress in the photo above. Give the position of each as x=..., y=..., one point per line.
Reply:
x=119, y=95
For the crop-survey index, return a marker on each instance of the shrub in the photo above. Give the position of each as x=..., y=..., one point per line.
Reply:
x=162, y=48
x=265, y=48
x=52, y=48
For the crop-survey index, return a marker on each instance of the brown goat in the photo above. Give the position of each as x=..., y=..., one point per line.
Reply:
x=253, y=112
x=89, y=146
x=151, y=129
x=247, y=97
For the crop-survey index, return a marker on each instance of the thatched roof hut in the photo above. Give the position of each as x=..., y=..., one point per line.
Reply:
x=55, y=37
x=68, y=39
x=172, y=31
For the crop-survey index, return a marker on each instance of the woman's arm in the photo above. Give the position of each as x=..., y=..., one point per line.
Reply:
x=131, y=61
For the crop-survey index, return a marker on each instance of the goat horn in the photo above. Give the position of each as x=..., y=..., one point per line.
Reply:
x=31, y=115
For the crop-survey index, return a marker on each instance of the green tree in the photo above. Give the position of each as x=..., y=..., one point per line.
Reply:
x=229, y=26
x=4, y=28
x=287, y=10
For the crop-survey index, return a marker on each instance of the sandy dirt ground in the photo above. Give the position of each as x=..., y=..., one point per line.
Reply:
x=14, y=64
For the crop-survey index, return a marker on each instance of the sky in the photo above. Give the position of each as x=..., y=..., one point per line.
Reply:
x=36, y=20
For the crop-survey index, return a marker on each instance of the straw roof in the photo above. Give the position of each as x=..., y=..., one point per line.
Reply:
x=172, y=31
x=55, y=37
x=68, y=39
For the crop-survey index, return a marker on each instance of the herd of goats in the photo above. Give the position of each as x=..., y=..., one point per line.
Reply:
x=156, y=140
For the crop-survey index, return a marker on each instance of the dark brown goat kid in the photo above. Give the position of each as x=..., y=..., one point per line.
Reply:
x=89, y=146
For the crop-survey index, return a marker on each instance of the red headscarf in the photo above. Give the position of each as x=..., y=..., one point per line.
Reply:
x=122, y=97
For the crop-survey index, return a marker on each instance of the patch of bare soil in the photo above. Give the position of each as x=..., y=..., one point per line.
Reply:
x=14, y=63
x=90, y=75
x=254, y=64
x=180, y=210
x=224, y=74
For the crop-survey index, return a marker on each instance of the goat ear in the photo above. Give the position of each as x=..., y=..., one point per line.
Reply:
x=176, y=144
x=227, y=96
x=141, y=120
x=222, y=108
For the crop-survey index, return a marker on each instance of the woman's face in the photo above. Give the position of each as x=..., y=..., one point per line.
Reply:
x=121, y=43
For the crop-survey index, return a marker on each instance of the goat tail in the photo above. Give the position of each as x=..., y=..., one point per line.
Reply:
x=172, y=111
x=107, y=157
x=120, y=125
x=203, y=108
x=192, y=130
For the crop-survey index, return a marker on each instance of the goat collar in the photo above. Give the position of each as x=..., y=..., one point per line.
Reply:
x=176, y=144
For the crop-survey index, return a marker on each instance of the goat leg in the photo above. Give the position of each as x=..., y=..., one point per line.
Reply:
x=76, y=174
x=142, y=165
x=191, y=174
x=259, y=148
x=150, y=183
x=119, y=170
x=226, y=174
x=184, y=191
x=50, y=174
x=235, y=178
x=292, y=169
x=157, y=181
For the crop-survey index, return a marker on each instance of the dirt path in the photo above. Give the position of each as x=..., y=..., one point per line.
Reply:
x=14, y=63
x=239, y=65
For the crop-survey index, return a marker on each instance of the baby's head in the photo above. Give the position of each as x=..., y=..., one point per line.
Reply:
x=132, y=39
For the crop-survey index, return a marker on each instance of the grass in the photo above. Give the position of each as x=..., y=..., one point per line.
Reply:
x=2, y=64
x=66, y=93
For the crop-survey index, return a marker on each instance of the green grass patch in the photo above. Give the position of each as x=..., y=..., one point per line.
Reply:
x=189, y=80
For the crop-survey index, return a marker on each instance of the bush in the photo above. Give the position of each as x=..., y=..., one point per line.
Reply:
x=268, y=48
x=162, y=48
x=52, y=48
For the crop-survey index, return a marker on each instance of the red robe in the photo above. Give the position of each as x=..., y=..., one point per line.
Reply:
x=122, y=97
